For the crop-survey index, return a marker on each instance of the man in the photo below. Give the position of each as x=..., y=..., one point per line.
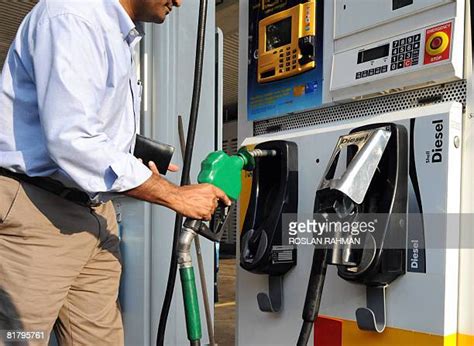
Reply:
x=69, y=107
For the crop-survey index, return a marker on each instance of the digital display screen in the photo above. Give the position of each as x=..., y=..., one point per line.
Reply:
x=374, y=53
x=278, y=34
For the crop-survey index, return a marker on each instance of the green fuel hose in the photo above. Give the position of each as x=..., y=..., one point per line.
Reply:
x=191, y=304
x=193, y=117
x=188, y=284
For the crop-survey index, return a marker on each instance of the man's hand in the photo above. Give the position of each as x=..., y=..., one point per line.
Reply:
x=199, y=201
x=195, y=201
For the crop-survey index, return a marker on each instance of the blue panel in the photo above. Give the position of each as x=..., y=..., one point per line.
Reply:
x=293, y=94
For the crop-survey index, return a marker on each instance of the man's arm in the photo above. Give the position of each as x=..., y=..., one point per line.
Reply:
x=196, y=201
x=71, y=77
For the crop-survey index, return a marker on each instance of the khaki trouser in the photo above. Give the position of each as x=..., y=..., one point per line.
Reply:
x=59, y=267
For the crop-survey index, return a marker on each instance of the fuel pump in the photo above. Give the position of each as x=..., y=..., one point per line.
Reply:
x=374, y=182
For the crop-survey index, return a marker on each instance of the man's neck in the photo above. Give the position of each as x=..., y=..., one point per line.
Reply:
x=128, y=6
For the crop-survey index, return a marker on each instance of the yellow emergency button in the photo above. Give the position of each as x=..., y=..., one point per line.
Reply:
x=437, y=43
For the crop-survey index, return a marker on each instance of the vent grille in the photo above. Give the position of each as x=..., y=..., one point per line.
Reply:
x=231, y=68
x=454, y=91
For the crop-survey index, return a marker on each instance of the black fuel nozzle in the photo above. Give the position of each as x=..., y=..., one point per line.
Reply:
x=373, y=182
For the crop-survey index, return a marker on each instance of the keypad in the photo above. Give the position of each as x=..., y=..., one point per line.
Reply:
x=288, y=59
x=407, y=50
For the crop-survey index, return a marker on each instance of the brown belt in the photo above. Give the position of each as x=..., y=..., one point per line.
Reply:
x=53, y=186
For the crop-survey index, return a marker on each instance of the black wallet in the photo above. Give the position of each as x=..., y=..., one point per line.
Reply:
x=150, y=150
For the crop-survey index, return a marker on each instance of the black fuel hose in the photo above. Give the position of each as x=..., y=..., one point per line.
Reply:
x=313, y=294
x=192, y=125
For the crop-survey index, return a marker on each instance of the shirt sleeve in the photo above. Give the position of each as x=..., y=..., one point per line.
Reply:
x=71, y=78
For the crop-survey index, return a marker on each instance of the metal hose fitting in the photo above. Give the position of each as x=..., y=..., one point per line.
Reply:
x=184, y=247
x=263, y=153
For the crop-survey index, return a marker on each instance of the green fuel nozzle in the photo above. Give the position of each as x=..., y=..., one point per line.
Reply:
x=224, y=171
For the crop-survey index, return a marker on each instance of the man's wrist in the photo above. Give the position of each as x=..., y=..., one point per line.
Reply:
x=157, y=190
x=167, y=193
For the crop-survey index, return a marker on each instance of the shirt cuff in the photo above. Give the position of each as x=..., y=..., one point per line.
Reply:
x=127, y=174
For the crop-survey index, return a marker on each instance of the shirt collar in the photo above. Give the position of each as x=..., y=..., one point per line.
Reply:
x=130, y=31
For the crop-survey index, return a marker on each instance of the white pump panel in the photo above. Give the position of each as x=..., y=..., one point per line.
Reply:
x=357, y=15
x=378, y=50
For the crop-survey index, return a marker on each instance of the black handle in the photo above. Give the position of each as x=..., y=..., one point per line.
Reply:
x=219, y=220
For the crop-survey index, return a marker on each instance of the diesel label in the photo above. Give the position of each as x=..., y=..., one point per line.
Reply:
x=435, y=155
x=354, y=139
x=414, y=255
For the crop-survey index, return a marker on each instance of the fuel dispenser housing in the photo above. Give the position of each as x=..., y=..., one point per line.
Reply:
x=384, y=195
x=274, y=193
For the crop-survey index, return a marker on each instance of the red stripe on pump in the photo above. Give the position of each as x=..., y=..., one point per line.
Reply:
x=327, y=332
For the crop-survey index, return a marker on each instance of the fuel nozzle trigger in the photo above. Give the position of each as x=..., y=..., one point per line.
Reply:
x=215, y=230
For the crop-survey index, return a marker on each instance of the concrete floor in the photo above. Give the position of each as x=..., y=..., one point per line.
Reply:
x=224, y=324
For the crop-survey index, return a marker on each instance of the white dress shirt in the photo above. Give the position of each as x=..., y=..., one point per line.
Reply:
x=70, y=99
